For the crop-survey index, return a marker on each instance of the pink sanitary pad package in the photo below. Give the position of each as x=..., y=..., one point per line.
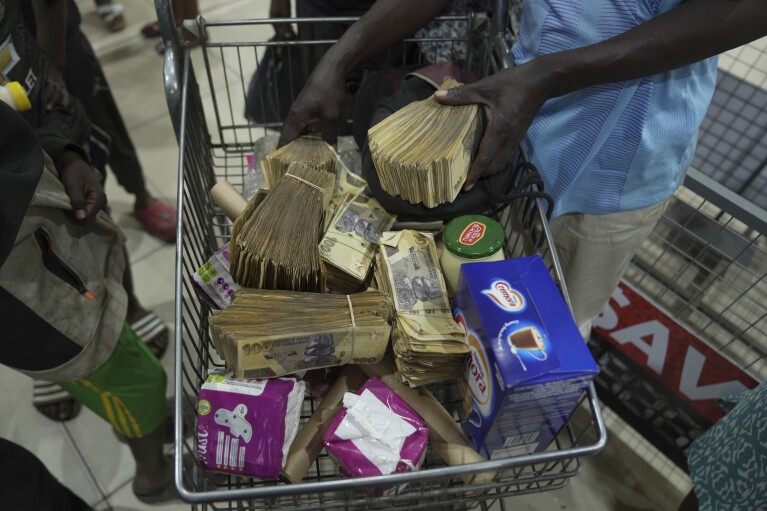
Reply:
x=376, y=433
x=245, y=427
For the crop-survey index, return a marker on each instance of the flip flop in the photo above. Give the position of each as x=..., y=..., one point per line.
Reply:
x=151, y=329
x=158, y=219
x=54, y=402
x=151, y=30
x=112, y=16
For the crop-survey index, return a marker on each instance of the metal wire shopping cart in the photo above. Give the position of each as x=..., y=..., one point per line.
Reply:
x=214, y=139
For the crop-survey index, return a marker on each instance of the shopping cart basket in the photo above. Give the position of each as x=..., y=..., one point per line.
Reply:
x=214, y=140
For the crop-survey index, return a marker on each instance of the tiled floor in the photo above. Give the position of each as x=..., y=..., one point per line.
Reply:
x=84, y=453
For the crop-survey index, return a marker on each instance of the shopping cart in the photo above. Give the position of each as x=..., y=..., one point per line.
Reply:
x=214, y=139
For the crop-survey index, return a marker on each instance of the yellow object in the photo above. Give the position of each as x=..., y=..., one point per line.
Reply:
x=13, y=94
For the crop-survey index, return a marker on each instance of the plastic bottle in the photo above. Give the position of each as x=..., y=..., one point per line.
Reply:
x=13, y=95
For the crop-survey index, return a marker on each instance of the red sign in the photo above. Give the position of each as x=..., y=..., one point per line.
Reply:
x=671, y=354
x=472, y=233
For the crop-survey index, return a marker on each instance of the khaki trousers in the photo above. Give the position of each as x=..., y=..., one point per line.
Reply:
x=595, y=251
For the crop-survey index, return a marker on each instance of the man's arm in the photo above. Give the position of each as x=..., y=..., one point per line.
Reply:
x=696, y=30
x=386, y=23
x=51, y=23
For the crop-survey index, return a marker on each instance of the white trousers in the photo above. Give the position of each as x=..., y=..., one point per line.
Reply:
x=595, y=251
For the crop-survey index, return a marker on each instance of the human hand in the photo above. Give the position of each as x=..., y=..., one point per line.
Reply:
x=55, y=92
x=511, y=98
x=318, y=103
x=82, y=186
x=281, y=9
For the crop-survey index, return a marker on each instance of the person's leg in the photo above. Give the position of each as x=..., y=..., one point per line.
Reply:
x=129, y=392
x=185, y=9
x=595, y=251
x=147, y=325
x=54, y=402
x=86, y=81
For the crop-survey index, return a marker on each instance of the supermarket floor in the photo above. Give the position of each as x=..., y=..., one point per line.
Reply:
x=84, y=453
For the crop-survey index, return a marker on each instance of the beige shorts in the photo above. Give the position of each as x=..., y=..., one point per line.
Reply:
x=595, y=251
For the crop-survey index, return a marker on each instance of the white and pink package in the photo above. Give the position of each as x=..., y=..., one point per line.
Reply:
x=214, y=282
x=376, y=433
x=245, y=427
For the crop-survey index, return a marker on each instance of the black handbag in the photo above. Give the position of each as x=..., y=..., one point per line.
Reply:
x=278, y=79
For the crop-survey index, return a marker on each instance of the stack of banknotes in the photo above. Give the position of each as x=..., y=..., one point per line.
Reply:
x=423, y=151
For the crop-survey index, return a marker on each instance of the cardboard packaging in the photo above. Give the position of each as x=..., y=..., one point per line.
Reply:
x=528, y=366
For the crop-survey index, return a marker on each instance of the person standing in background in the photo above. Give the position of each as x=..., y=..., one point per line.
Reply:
x=63, y=305
x=54, y=109
x=69, y=52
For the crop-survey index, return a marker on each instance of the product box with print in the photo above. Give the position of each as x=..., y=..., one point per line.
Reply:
x=528, y=365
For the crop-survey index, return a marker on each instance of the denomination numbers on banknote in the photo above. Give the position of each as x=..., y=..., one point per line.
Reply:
x=326, y=247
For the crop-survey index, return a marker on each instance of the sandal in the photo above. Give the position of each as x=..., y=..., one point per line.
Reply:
x=151, y=30
x=151, y=329
x=54, y=402
x=112, y=16
x=158, y=219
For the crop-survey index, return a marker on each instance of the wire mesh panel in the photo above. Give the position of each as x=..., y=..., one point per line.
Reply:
x=706, y=264
x=732, y=141
x=215, y=140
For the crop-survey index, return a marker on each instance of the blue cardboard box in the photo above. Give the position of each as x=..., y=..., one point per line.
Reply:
x=528, y=365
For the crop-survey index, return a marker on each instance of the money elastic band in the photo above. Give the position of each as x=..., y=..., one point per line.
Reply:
x=354, y=324
x=321, y=190
x=351, y=311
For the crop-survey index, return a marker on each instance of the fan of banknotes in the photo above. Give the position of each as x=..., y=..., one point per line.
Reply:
x=275, y=243
x=429, y=346
x=423, y=151
x=311, y=150
x=351, y=241
x=266, y=333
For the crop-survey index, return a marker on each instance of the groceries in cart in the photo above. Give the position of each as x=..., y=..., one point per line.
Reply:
x=246, y=427
x=376, y=433
x=320, y=280
x=267, y=333
x=528, y=367
x=312, y=151
x=275, y=243
x=429, y=346
x=423, y=151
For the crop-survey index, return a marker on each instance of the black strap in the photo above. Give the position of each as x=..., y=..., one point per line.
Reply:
x=527, y=184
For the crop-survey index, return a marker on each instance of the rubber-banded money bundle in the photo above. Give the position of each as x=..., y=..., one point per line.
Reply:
x=308, y=149
x=266, y=333
x=275, y=243
x=429, y=346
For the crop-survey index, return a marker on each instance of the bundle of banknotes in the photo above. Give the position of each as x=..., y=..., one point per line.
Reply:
x=423, y=151
x=275, y=244
x=266, y=333
x=429, y=346
x=308, y=149
x=351, y=241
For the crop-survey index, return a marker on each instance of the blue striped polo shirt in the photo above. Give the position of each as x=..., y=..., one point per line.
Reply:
x=619, y=146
